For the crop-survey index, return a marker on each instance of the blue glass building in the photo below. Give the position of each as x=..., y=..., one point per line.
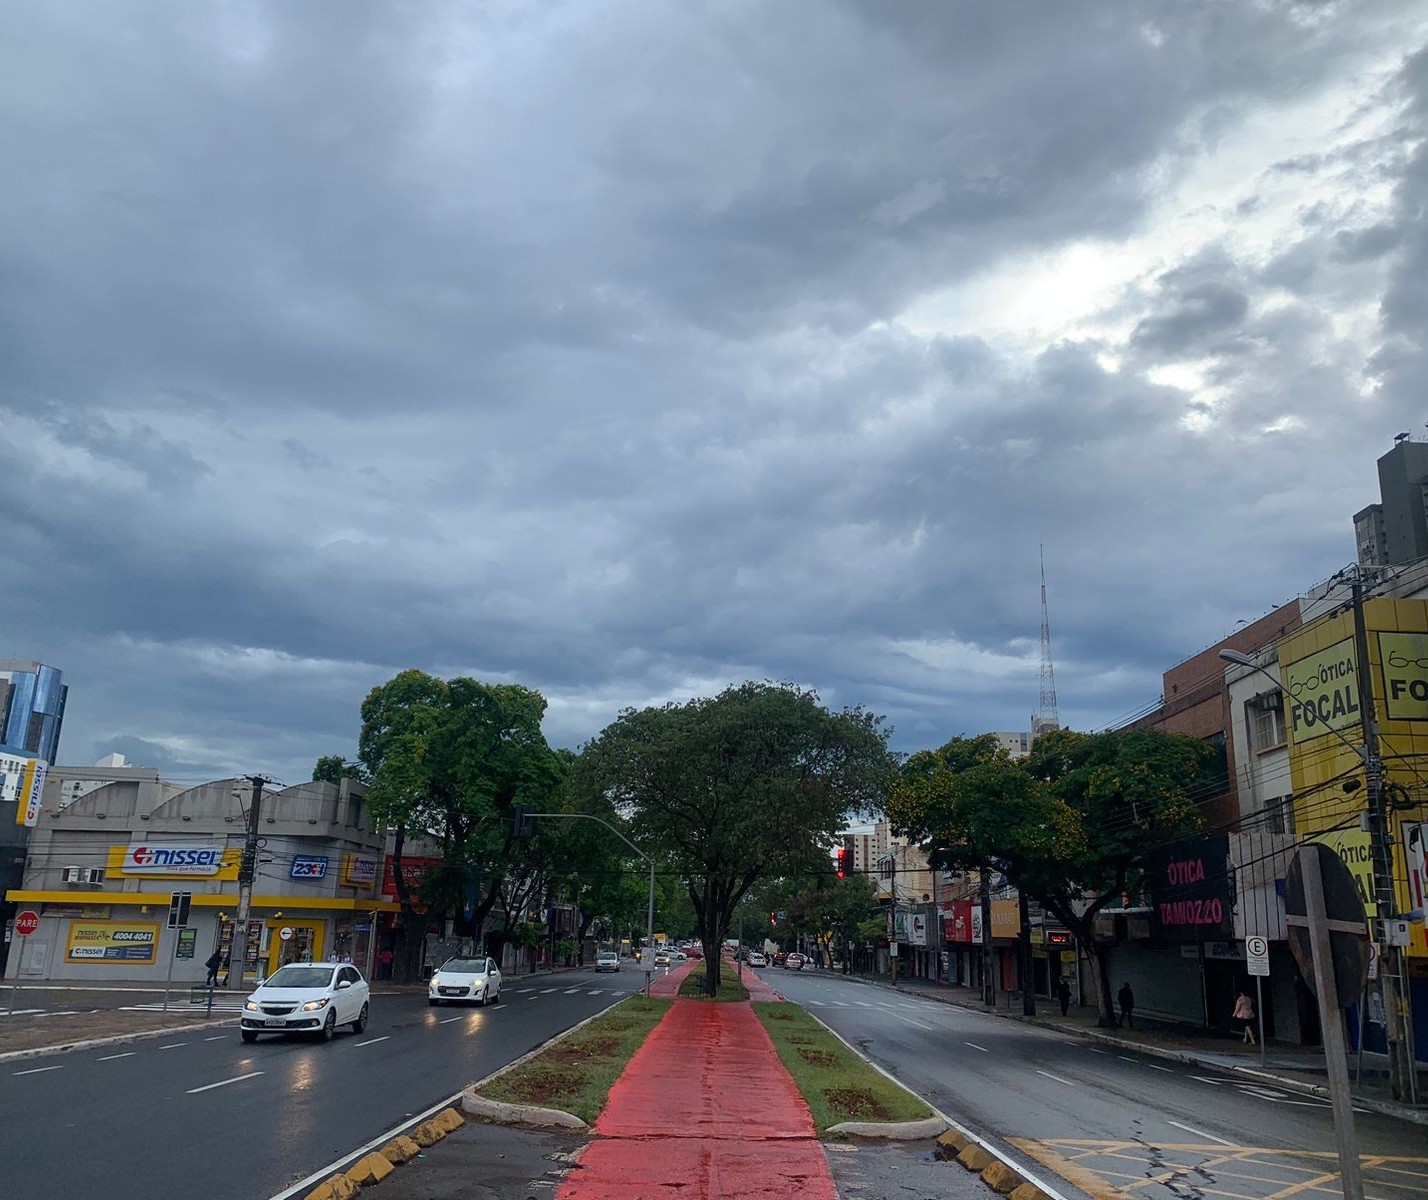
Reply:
x=32, y=698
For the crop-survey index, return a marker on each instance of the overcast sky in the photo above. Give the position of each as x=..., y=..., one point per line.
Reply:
x=628, y=350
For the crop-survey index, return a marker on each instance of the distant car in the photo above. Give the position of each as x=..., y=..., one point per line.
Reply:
x=795, y=961
x=607, y=960
x=778, y=957
x=757, y=959
x=695, y=952
x=661, y=958
x=307, y=998
x=458, y=980
x=678, y=956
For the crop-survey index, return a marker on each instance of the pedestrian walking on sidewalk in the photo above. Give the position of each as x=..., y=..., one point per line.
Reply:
x=1063, y=993
x=1126, y=998
x=1244, y=1011
x=213, y=962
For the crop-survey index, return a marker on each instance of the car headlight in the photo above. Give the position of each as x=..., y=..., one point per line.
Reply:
x=314, y=1005
x=251, y=1006
x=435, y=979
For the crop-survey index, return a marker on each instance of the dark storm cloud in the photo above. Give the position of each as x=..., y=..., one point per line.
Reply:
x=568, y=346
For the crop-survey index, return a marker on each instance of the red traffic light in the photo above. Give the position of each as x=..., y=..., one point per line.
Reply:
x=773, y=918
x=845, y=861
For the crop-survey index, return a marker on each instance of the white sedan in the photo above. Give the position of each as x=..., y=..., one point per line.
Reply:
x=307, y=998
x=463, y=979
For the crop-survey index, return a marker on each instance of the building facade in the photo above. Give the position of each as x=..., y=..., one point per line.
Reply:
x=32, y=700
x=1395, y=530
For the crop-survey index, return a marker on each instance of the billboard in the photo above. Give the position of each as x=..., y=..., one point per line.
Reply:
x=133, y=944
x=359, y=871
x=1191, y=891
x=187, y=860
x=1322, y=692
x=308, y=866
x=1405, y=675
x=23, y=781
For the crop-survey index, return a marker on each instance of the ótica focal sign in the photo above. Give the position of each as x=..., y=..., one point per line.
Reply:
x=1322, y=691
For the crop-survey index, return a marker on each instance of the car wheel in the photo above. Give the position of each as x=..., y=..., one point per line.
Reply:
x=329, y=1026
x=249, y=1035
x=361, y=1022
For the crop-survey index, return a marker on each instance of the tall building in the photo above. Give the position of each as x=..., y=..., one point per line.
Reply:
x=32, y=699
x=1395, y=530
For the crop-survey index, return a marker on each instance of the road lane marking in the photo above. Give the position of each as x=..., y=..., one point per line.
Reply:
x=208, y=1087
x=450, y=1019
x=532, y=997
x=597, y=991
x=974, y=1046
x=1094, y=1050
x=173, y=1045
x=572, y=991
x=374, y=1041
x=1266, y=1093
x=1127, y=1058
x=112, y=1057
x=862, y=1004
x=217, y=1037
x=21, y=1012
x=1206, y=1079
x=1153, y=1067
x=1201, y=1133
x=547, y=991
x=816, y=1003
x=38, y=1070
x=1058, y=1078
x=910, y=1021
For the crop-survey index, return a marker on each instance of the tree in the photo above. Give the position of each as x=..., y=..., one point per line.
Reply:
x=333, y=768
x=751, y=783
x=452, y=760
x=1070, y=825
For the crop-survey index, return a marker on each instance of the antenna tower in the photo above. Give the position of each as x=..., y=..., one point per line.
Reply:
x=1046, y=716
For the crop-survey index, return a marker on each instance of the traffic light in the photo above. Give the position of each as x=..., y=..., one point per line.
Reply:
x=845, y=862
x=773, y=918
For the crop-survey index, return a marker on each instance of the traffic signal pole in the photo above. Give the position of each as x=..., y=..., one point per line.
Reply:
x=247, y=869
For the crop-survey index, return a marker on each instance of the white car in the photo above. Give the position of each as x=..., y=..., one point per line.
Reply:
x=756, y=959
x=307, y=998
x=607, y=960
x=462, y=979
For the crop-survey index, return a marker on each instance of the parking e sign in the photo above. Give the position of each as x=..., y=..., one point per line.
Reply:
x=309, y=866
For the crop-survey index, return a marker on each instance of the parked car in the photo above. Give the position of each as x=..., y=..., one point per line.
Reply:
x=607, y=960
x=757, y=959
x=795, y=961
x=461, y=979
x=307, y=998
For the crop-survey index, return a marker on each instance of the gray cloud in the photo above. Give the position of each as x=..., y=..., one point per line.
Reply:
x=574, y=349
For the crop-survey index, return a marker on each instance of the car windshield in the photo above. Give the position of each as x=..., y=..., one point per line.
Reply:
x=465, y=966
x=300, y=977
x=607, y=954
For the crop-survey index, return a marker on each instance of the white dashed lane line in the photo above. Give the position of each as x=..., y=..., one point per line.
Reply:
x=38, y=1070
x=450, y=1019
x=1201, y=1133
x=374, y=1041
x=974, y=1046
x=173, y=1046
x=1153, y=1067
x=208, y=1087
x=1058, y=1078
x=112, y=1057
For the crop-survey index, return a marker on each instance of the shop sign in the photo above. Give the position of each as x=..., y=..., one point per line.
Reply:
x=1415, y=845
x=978, y=937
x=1404, y=657
x=95, y=912
x=187, y=942
x=957, y=922
x=1190, y=891
x=359, y=870
x=1355, y=847
x=112, y=942
x=413, y=870
x=173, y=861
x=1006, y=919
x=308, y=866
x=1323, y=692
x=911, y=927
x=32, y=790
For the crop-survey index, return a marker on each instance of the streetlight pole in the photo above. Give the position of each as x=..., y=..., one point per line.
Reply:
x=647, y=955
x=247, y=869
x=1400, y=1067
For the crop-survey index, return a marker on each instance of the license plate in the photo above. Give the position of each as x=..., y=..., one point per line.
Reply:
x=274, y=1021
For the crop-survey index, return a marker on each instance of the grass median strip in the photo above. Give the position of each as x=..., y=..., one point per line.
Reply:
x=692, y=987
x=836, y=1084
x=575, y=1075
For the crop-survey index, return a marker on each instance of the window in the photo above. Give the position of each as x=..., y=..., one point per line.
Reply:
x=1265, y=714
x=1279, y=815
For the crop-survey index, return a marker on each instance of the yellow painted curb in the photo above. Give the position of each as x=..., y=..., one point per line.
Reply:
x=951, y=1144
x=448, y=1119
x=1029, y=1191
x=339, y=1187
x=428, y=1134
x=372, y=1168
x=1001, y=1178
x=400, y=1150
x=974, y=1158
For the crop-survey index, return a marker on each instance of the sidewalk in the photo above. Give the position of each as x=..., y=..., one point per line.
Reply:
x=704, y=1109
x=1297, y=1067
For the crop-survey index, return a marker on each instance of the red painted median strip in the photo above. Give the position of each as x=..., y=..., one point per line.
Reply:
x=704, y=1109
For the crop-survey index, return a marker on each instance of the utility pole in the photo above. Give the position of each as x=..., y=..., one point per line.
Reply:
x=247, y=869
x=989, y=985
x=1400, y=1065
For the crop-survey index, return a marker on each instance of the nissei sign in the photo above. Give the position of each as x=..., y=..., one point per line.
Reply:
x=309, y=866
x=150, y=859
x=1322, y=691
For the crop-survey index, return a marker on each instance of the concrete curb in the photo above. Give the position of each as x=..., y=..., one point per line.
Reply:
x=117, y=1040
x=500, y=1113
x=1387, y=1108
x=894, y=1131
x=373, y=1167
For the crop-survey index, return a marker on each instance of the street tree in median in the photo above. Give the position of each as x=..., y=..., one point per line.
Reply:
x=725, y=791
x=1070, y=824
x=452, y=760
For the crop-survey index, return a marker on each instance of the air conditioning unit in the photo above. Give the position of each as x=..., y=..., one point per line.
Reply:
x=94, y=875
x=75, y=875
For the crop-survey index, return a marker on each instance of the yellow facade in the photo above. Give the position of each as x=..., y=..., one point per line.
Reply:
x=1318, y=666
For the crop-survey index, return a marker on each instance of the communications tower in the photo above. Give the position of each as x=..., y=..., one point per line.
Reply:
x=1046, y=716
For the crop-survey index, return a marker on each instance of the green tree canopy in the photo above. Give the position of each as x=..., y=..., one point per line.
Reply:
x=752, y=783
x=333, y=768
x=1070, y=824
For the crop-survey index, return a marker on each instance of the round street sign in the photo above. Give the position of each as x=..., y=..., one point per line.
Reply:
x=1256, y=947
x=286, y=933
x=1344, y=911
x=26, y=922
